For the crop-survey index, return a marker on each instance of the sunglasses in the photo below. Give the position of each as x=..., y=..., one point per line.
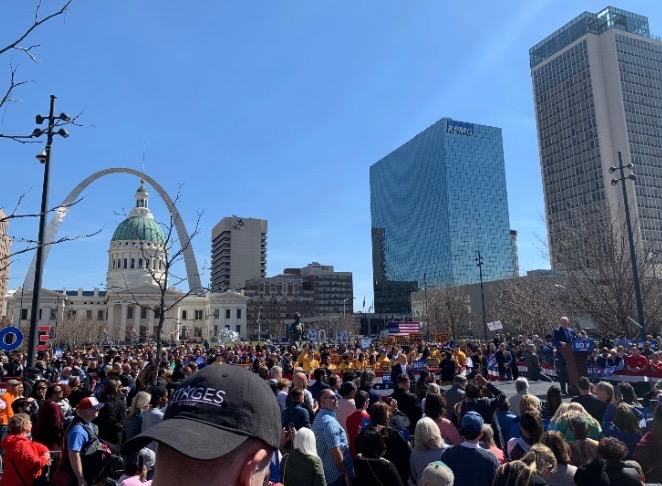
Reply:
x=332, y=397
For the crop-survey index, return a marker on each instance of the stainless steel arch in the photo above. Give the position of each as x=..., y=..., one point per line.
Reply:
x=192, y=272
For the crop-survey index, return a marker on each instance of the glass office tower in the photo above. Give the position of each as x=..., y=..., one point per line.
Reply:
x=597, y=84
x=434, y=203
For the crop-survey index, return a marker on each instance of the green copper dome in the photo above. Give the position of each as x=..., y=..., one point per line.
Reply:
x=139, y=228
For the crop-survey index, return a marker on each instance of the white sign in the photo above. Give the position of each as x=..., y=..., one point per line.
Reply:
x=494, y=325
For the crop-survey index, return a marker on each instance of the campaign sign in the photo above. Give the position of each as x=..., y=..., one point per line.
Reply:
x=597, y=372
x=418, y=365
x=10, y=338
x=58, y=353
x=386, y=377
x=582, y=345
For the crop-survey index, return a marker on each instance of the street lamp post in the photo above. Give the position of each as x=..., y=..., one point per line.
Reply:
x=259, y=324
x=633, y=253
x=44, y=158
x=479, y=263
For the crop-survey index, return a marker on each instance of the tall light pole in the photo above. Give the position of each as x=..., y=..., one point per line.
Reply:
x=479, y=263
x=259, y=324
x=633, y=253
x=44, y=158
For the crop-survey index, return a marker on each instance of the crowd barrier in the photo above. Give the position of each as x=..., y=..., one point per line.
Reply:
x=651, y=375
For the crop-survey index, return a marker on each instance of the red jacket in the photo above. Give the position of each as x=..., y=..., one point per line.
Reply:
x=636, y=361
x=22, y=454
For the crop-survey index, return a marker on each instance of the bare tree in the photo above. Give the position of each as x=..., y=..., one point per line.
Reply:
x=21, y=43
x=75, y=330
x=529, y=303
x=163, y=273
x=446, y=309
x=24, y=244
x=599, y=277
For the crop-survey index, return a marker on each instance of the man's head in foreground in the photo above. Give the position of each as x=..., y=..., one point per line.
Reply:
x=221, y=427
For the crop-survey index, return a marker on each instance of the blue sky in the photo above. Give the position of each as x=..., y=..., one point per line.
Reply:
x=268, y=109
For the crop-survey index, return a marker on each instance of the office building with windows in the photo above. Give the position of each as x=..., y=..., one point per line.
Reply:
x=333, y=290
x=238, y=252
x=597, y=84
x=435, y=202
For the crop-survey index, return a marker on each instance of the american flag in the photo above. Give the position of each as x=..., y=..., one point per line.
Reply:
x=397, y=328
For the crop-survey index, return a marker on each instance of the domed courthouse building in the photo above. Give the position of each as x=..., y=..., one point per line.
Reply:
x=128, y=310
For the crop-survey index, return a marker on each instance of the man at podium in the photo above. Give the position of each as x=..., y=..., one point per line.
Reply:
x=563, y=337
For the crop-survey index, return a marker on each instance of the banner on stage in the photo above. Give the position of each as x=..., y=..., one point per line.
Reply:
x=597, y=372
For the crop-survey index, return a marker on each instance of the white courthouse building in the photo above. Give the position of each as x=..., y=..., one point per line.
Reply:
x=128, y=308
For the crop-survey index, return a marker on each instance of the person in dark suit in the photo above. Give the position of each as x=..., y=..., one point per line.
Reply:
x=563, y=337
x=402, y=368
x=407, y=401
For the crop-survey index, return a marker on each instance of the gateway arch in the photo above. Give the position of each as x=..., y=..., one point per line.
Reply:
x=192, y=273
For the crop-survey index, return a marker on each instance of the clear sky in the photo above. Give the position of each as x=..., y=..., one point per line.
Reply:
x=268, y=109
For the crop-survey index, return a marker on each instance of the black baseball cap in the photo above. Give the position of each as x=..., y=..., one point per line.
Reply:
x=224, y=402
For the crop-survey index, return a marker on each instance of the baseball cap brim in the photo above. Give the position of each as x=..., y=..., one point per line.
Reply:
x=189, y=438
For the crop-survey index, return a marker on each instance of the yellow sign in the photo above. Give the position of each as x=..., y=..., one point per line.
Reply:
x=441, y=337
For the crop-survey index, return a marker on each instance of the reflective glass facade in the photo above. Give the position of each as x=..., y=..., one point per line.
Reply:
x=588, y=23
x=598, y=91
x=435, y=202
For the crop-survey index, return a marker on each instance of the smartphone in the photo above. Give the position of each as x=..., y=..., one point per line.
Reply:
x=617, y=393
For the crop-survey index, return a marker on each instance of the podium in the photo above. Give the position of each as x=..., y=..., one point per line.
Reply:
x=576, y=364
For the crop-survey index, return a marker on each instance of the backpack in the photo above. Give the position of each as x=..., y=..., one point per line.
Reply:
x=94, y=456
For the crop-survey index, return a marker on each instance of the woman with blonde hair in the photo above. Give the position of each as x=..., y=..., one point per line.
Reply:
x=134, y=421
x=302, y=466
x=428, y=446
x=529, y=403
x=514, y=473
x=563, y=423
x=542, y=459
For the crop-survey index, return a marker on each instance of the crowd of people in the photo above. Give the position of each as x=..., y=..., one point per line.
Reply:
x=315, y=415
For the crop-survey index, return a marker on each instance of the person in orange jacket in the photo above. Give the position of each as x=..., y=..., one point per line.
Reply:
x=6, y=400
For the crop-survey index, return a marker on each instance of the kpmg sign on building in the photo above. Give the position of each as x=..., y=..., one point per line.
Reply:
x=460, y=128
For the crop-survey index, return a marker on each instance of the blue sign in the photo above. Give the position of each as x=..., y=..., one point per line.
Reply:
x=460, y=128
x=17, y=340
x=419, y=365
x=597, y=372
x=582, y=345
x=386, y=378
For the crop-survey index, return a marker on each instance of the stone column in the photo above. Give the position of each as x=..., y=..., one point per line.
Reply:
x=122, y=333
x=136, y=319
x=111, y=319
x=150, y=322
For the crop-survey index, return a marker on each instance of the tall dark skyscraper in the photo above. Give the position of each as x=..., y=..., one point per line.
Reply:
x=597, y=84
x=434, y=203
